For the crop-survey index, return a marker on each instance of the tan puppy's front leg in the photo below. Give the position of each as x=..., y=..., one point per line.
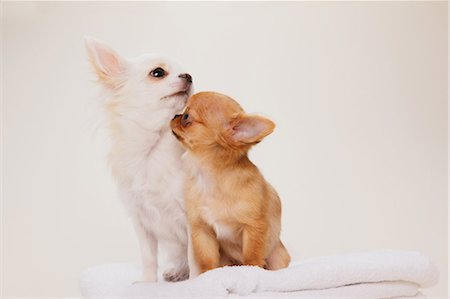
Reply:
x=206, y=247
x=194, y=270
x=253, y=249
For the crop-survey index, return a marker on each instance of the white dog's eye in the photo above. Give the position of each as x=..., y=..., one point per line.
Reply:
x=158, y=73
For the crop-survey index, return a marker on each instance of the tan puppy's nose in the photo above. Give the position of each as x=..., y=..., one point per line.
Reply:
x=187, y=77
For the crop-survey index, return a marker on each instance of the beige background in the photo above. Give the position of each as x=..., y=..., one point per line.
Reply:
x=358, y=91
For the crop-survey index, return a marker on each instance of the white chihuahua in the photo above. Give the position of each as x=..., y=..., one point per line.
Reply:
x=142, y=96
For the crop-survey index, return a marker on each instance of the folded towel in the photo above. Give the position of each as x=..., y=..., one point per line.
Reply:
x=380, y=274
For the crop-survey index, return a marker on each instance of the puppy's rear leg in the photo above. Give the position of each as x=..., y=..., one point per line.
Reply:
x=149, y=248
x=279, y=257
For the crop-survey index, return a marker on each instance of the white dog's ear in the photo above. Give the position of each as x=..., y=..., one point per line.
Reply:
x=108, y=65
x=251, y=128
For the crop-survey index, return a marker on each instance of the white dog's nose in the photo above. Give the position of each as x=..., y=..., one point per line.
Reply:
x=186, y=76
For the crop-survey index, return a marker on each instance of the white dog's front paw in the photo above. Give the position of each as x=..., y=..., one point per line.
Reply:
x=176, y=275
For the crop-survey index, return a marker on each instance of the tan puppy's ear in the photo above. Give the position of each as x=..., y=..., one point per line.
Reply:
x=108, y=65
x=251, y=128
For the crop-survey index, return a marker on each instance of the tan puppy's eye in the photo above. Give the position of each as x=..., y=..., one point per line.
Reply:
x=158, y=73
x=186, y=120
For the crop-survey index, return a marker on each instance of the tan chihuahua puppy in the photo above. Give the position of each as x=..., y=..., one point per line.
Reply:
x=234, y=214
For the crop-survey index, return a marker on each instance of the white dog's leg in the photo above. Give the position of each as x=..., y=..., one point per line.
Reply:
x=177, y=257
x=149, y=248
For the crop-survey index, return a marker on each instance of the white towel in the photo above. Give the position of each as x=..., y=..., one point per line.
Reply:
x=380, y=274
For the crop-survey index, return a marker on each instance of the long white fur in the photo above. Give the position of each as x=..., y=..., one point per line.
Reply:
x=145, y=156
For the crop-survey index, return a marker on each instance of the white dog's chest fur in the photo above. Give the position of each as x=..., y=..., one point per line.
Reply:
x=153, y=189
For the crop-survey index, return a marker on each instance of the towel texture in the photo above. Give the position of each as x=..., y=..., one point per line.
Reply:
x=380, y=274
